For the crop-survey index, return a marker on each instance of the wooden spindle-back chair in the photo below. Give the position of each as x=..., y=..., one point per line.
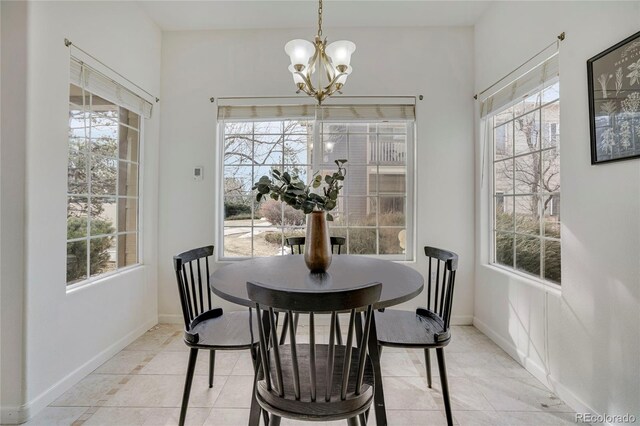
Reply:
x=314, y=381
x=428, y=327
x=206, y=327
x=296, y=244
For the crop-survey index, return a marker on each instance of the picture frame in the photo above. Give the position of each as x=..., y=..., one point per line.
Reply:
x=613, y=78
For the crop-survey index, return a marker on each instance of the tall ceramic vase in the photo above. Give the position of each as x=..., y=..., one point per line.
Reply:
x=317, y=251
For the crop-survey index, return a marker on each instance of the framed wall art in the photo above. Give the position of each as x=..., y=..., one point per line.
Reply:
x=614, y=102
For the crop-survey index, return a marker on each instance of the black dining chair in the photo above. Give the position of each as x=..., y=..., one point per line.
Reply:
x=296, y=244
x=314, y=382
x=206, y=327
x=427, y=328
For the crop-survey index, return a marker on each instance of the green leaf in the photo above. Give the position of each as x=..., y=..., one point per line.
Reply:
x=258, y=197
x=316, y=198
x=286, y=177
x=329, y=179
x=274, y=196
x=330, y=205
x=329, y=217
x=287, y=198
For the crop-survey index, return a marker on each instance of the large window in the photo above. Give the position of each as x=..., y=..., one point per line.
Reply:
x=103, y=193
x=526, y=184
x=374, y=207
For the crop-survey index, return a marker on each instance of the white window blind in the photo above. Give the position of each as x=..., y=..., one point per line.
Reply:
x=542, y=69
x=97, y=83
x=355, y=112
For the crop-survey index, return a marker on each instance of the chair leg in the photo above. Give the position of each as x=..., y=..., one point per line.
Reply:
x=191, y=367
x=427, y=360
x=285, y=328
x=296, y=318
x=212, y=364
x=275, y=420
x=255, y=410
x=338, y=331
x=363, y=418
x=358, y=328
x=445, y=385
x=353, y=421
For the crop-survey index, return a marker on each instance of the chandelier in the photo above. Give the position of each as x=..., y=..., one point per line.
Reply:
x=331, y=61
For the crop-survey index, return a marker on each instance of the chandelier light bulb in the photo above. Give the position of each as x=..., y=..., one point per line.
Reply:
x=340, y=52
x=299, y=51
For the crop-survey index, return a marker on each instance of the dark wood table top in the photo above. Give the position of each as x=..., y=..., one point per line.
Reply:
x=399, y=282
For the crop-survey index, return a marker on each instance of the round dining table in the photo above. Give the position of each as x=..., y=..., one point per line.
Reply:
x=399, y=284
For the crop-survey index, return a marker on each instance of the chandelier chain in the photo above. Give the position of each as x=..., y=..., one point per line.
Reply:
x=320, y=18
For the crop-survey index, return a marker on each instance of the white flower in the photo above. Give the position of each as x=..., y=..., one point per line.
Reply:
x=634, y=75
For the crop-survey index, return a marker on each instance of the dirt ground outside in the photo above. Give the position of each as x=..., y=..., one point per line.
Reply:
x=237, y=240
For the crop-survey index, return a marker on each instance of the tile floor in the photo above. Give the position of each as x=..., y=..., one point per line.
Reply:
x=142, y=385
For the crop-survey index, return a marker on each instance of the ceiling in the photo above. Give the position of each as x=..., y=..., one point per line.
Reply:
x=254, y=14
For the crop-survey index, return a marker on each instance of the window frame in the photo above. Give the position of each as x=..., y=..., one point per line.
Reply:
x=139, y=200
x=410, y=193
x=488, y=122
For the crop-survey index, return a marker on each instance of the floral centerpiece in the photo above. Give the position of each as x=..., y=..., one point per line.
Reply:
x=315, y=199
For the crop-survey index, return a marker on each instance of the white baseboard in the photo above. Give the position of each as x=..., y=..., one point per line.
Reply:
x=537, y=370
x=17, y=415
x=170, y=319
x=461, y=319
x=12, y=415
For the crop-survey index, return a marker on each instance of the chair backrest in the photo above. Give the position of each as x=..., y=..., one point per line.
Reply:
x=296, y=244
x=315, y=384
x=443, y=265
x=192, y=274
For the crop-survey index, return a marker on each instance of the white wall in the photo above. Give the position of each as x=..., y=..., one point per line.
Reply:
x=12, y=158
x=583, y=340
x=67, y=335
x=435, y=62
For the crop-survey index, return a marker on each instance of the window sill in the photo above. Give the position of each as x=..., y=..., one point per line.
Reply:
x=546, y=286
x=73, y=288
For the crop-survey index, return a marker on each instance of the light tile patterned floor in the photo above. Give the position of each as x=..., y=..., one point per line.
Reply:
x=142, y=385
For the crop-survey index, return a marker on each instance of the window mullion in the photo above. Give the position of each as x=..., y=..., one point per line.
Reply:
x=88, y=162
x=513, y=207
x=540, y=205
